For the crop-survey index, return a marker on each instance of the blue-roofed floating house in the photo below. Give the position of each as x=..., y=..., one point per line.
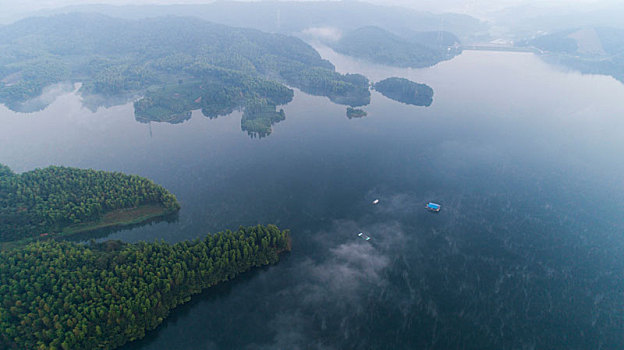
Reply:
x=433, y=207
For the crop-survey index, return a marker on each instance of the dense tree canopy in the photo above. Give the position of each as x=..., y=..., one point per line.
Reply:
x=380, y=46
x=115, y=56
x=406, y=91
x=61, y=295
x=259, y=116
x=51, y=199
x=219, y=92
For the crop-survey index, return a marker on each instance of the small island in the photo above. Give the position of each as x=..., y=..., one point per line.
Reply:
x=58, y=201
x=405, y=91
x=62, y=295
x=589, y=50
x=355, y=113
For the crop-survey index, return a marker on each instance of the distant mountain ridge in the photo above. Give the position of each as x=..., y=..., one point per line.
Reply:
x=296, y=16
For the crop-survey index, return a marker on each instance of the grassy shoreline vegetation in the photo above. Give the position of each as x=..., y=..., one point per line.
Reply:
x=62, y=295
x=58, y=201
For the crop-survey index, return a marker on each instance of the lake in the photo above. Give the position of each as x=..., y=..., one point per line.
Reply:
x=527, y=252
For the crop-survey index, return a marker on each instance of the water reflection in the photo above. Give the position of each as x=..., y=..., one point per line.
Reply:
x=39, y=103
x=107, y=231
x=93, y=102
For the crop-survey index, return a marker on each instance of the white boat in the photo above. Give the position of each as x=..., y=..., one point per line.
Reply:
x=364, y=236
x=376, y=201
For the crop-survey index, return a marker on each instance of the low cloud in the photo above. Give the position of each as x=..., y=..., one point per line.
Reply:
x=326, y=34
x=335, y=288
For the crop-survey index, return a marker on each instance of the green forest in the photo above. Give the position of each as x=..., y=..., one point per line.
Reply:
x=377, y=45
x=164, y=57
x=50, y=200
x=406, y=91
x=220, y=92
x=61, y=295
x=259, y=116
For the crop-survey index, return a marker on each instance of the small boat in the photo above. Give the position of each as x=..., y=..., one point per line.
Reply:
x=433, y=207
x=376, y=201
x=364, y=236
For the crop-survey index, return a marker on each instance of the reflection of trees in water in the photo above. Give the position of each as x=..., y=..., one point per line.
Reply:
x=93, y=102
x=259, y=116
x=38, y=103
x=172, y=119
x=257, y=99
x=405, y=91
x=105, y=232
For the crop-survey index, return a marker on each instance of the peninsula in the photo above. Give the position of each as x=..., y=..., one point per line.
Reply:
x=62, y=295
x=62, y=201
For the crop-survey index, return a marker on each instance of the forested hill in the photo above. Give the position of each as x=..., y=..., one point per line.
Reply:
x=114, y=56
x=51, y=200
x=61, y=295
x=380, y=46
x=594, y=50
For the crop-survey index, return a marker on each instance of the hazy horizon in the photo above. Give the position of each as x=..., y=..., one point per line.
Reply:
x=471, y=7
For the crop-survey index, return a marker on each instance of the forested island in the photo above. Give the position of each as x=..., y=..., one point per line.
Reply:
x=406, y=91
x=176, y=64
x=61, y=295
x=60, y=200
x=377, y=45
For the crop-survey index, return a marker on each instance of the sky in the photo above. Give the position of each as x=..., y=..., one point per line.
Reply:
x=477, y=8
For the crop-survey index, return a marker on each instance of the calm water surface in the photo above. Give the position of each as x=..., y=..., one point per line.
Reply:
x=527, y=252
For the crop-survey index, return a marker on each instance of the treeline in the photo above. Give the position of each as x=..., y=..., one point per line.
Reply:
x=113, y=56
x=51, y=199
x=61, y=295
x=406, y=91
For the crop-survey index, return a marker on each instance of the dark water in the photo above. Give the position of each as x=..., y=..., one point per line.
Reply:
x=527, y=252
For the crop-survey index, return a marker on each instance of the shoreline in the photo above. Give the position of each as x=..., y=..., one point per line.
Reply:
x=114, y=219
